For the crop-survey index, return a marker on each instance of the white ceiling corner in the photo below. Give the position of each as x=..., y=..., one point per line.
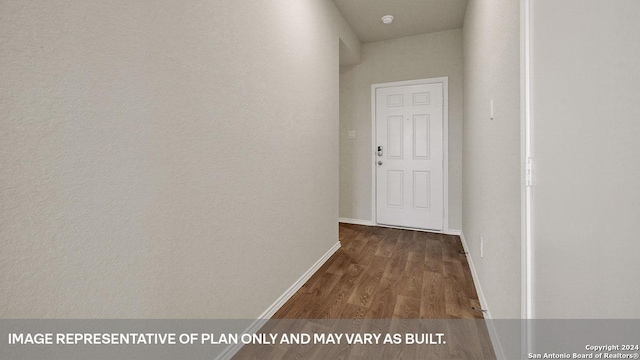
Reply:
x=410, y=17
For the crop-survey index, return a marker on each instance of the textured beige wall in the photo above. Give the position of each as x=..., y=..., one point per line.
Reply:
x=491, y=170
x=586, y=199
x=415, y=57
x=164, y=159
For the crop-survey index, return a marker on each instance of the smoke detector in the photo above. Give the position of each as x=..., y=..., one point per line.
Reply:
x=387, y=19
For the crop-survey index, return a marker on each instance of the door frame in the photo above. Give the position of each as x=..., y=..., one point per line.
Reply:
x=445, y=143
x=526, y=177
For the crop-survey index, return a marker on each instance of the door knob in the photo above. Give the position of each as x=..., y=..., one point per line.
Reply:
x=379, y=162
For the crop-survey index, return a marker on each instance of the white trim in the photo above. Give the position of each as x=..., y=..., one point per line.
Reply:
x=445, y=142
x=374, y=140
x=267, y=314
x=526, y=153
x=526, y=277
x=356, y=221
x=495, y=341
x=445, y=149
x=454, y=232
x=450, y=232
x=231, y=350
x=369, y=223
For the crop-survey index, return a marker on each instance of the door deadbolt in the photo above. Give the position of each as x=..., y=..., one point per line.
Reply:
x=379, y=150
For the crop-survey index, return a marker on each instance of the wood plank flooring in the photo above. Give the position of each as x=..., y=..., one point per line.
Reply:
x=388, y=273
x=384, y=281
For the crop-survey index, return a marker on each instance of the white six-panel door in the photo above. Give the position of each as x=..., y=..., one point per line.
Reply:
x=409, y=156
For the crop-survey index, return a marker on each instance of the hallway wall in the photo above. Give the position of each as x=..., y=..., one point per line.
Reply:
x=153, y=152
x=491, y=166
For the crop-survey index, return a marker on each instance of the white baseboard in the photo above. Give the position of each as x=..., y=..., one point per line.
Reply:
x=371, y=223
x=356, y=221
x=231, y=350
x=454, y=232
x=497, y=347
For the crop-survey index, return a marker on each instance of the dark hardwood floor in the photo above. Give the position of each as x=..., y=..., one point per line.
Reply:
x=388, y=273
x=384, y=281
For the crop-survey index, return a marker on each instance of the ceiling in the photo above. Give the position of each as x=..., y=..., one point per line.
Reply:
x=410, y=17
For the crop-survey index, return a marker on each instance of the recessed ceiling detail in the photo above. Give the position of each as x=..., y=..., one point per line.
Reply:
x=387, y=19
x=411, y=17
